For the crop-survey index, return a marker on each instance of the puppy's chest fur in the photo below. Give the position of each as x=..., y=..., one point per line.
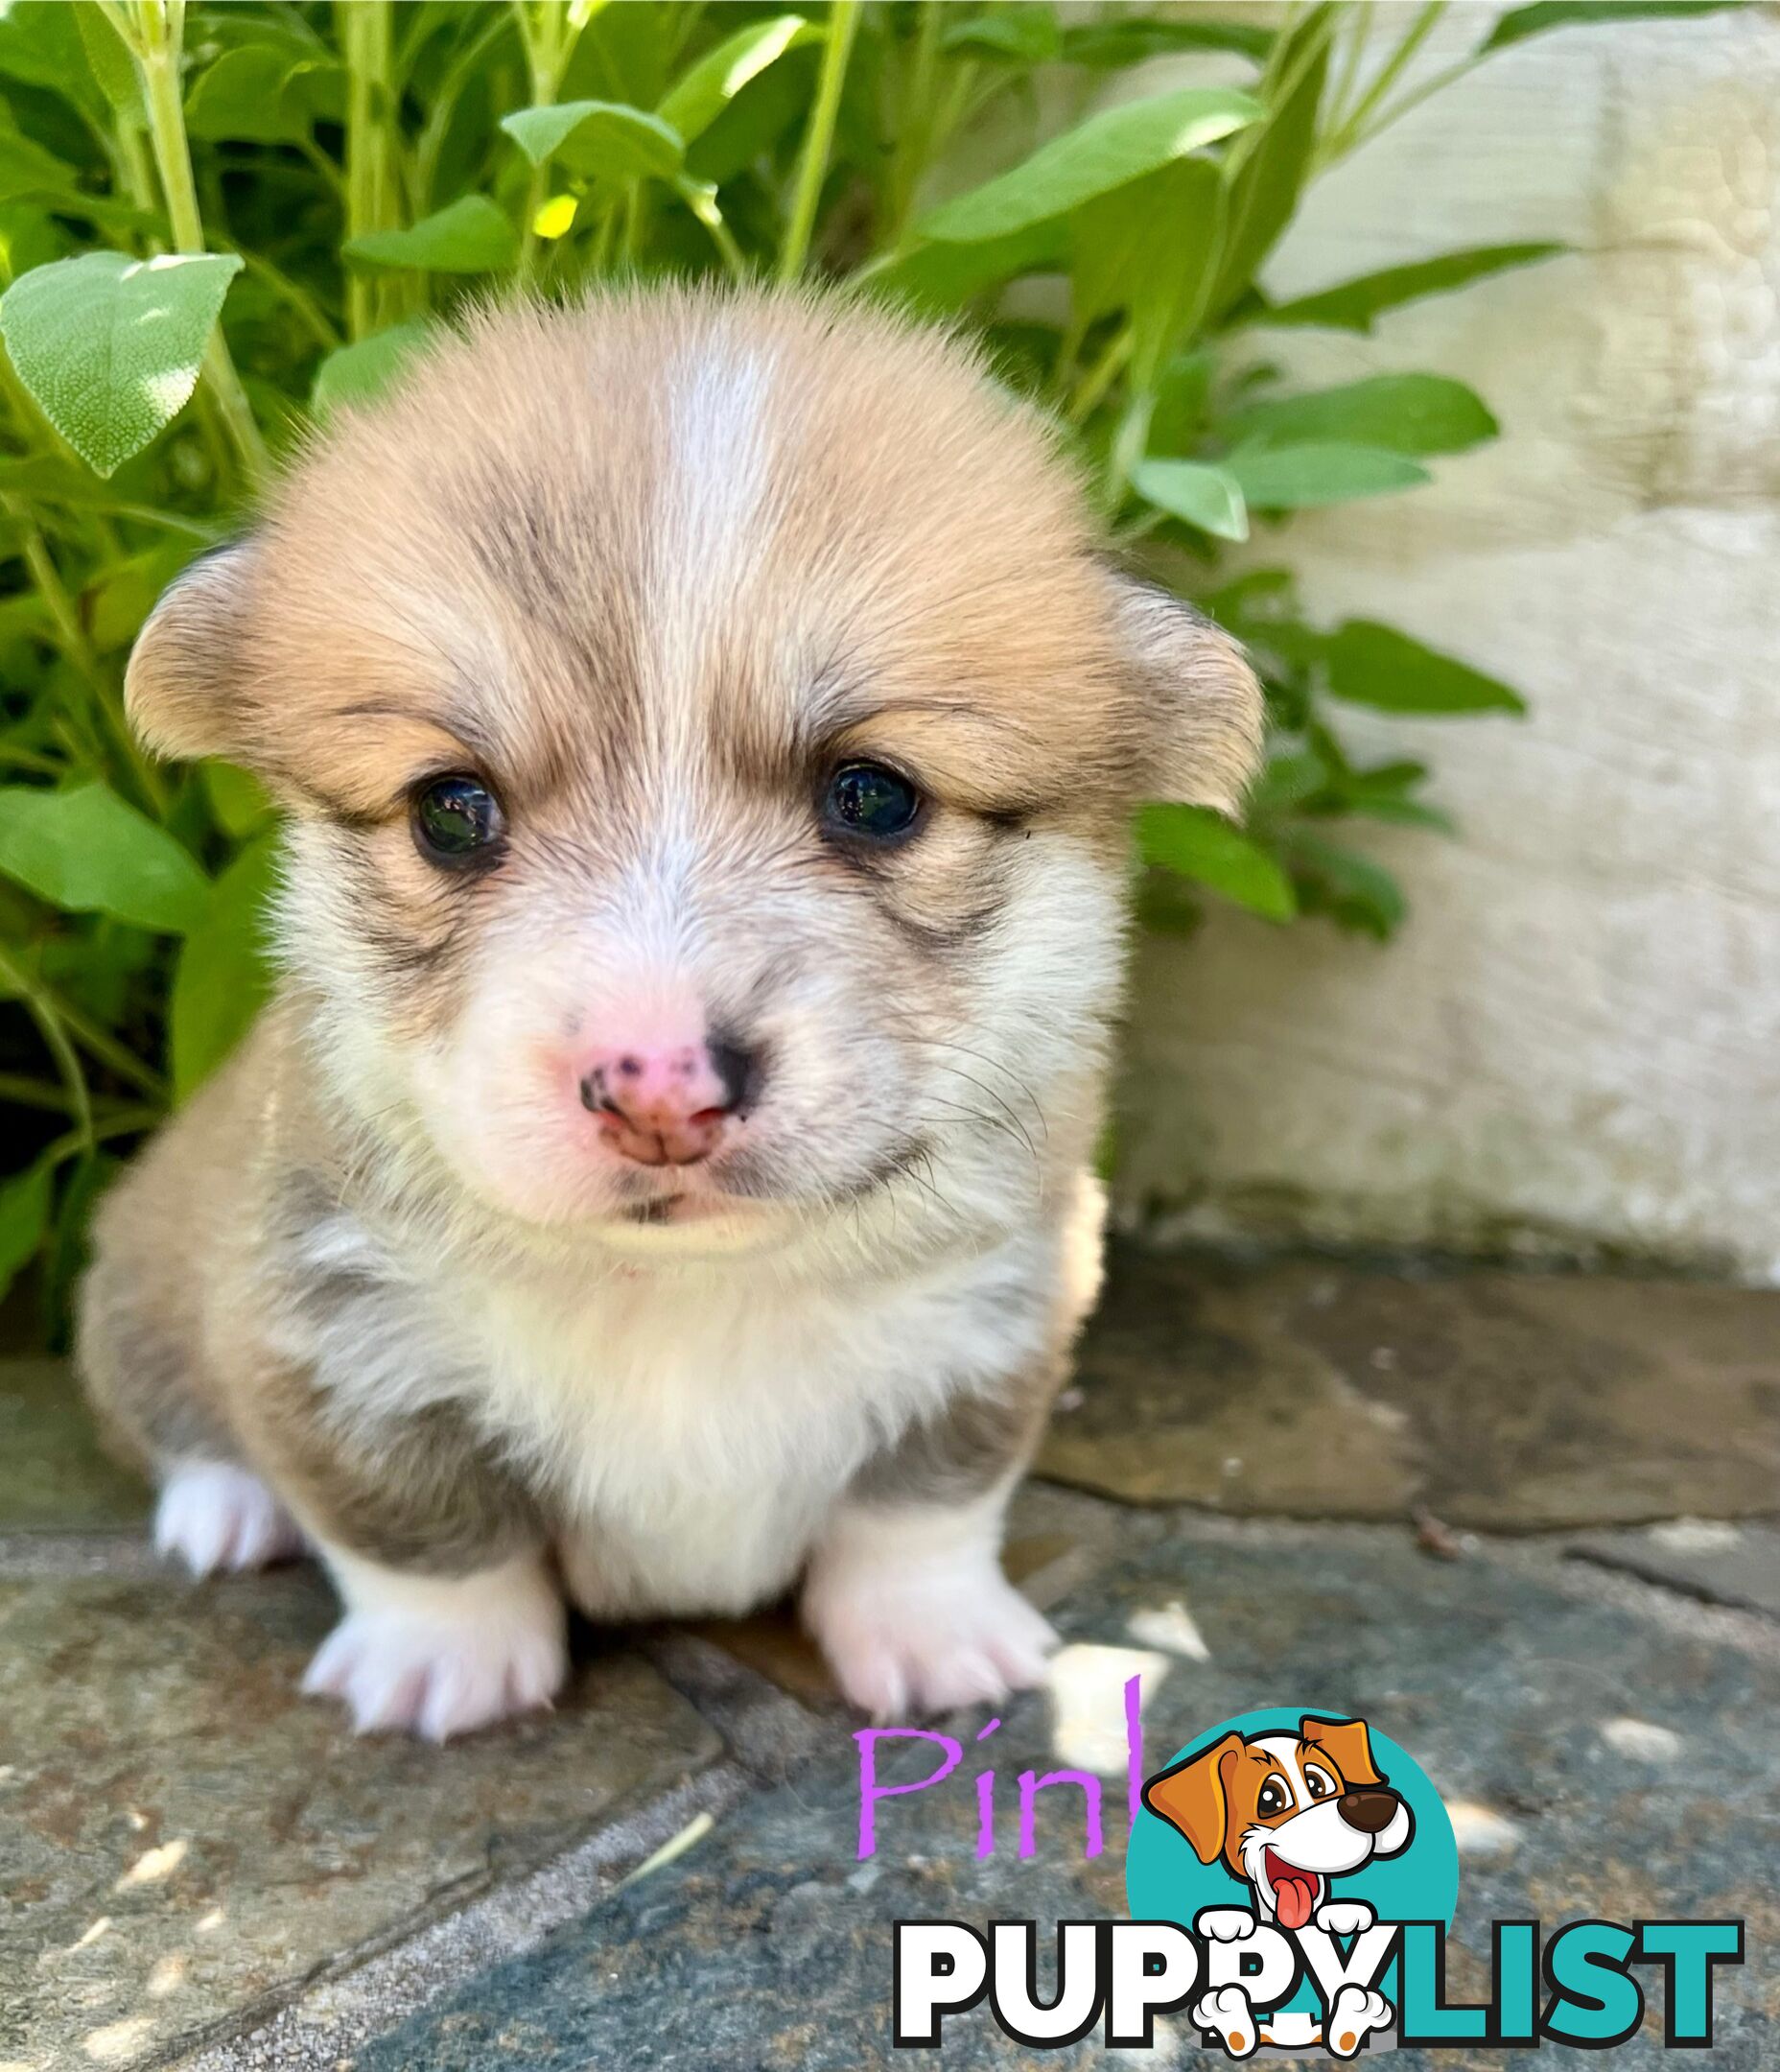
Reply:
x=686, y=1430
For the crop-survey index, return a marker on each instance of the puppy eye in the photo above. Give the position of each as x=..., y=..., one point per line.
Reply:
x=455, y=819
x=865, y=798
x=1272, y=1798
x=1319, y=1784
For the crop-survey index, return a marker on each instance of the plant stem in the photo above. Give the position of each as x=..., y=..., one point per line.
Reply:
x=424, y=157
x=1352, y=125
x=550, y=34
x=314, y=317
x=157, y=48
x=1101, y=376
x=71, y=636
x=703, y=202
x=25, y=1092
x=41, y=1005
x=818, y=139
x=367, y=43
x=915, y=123
x=99, y=1042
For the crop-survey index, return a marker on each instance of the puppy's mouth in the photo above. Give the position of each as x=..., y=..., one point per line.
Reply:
x=1296, y=1892
x=744, y=1189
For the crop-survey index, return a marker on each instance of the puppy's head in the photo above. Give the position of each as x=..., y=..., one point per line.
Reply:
x=1286, y=1812
x=707, y=730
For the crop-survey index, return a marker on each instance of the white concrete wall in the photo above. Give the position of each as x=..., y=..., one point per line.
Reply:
x=1575, y=1040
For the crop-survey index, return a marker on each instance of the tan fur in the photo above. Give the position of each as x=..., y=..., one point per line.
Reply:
x=652, y=567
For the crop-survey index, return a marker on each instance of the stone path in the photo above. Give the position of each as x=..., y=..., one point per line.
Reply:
x=1512, y=1521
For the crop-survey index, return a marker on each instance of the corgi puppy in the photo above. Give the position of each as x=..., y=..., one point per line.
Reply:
x=707, y=728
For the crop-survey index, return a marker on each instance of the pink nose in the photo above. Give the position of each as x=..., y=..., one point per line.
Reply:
x=666, y=1105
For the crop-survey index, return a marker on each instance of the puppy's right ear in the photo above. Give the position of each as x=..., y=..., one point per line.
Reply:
x=1190, y=1798
x=182, y=687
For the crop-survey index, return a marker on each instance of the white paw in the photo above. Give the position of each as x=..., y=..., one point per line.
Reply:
x=1225, y=2013
x=926, y=1637
x=1354, y=2015
x=1345, y=1917
x=1225, y=1924
x=214, y=1515
x=453, y=1657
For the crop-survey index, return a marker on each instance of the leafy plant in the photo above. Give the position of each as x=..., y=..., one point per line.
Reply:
x=218, y=221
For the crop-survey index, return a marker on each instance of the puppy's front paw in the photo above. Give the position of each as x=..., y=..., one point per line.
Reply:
x=1225, y=2013
x=926, y=1637
x=1225, y=1924
x=1354, y=2015
x=1345, y=1917
x=212, y=1515
x=453, y=1657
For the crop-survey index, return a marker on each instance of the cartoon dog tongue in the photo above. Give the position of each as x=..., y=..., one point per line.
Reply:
x=1295, y=1893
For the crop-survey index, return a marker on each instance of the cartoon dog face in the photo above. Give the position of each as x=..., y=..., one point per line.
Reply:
x=1286, y=1812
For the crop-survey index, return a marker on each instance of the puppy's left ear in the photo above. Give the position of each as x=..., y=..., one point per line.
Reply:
x=182, y=690
x=1349, y=1743
x=1203, y=700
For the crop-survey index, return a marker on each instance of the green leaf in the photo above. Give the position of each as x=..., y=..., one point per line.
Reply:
x=754, y=125
x=1355, y=305
x=1129, y=40
x=1149, y=247
x=1409, y=414
x=1203, y=495
x=28, y=168
x=223, y=978
x=701, y=93
x=1264, y=193
x=943, y=278
x=1182, y=392
x=1291, y=776
x=29, y=237
x=112, y=65
x=237, y=799
x=605, y=139
x=622, y=54
x=42, y=45
x=1374, y=665
x=110, y=347
x=360, y=373
x=24, y=1217
x=87, y=852
x=1026, y=34
x=1108, y=150
x=1520, y=23
x=1350, y=888
x=117, y=603
x=1325, y=471
x=258, y=94
x=1196, y=843
x=471, y=235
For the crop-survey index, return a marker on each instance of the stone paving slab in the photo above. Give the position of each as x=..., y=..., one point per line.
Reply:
x=1729, y=1564
x=1563, y=1729
x=53, y=1472
x=1497, y=1401
x=183, y=1836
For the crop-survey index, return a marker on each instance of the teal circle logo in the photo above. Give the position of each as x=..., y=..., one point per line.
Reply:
x=1297, y=1820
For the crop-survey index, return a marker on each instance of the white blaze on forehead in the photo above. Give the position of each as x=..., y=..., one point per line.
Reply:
x=1284, y=1749
x=710, y=522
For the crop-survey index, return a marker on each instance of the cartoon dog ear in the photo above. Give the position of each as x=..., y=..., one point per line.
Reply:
x=1203, y=701
x=1190, y=1796
x=181, y=690
x=1349, y=1743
